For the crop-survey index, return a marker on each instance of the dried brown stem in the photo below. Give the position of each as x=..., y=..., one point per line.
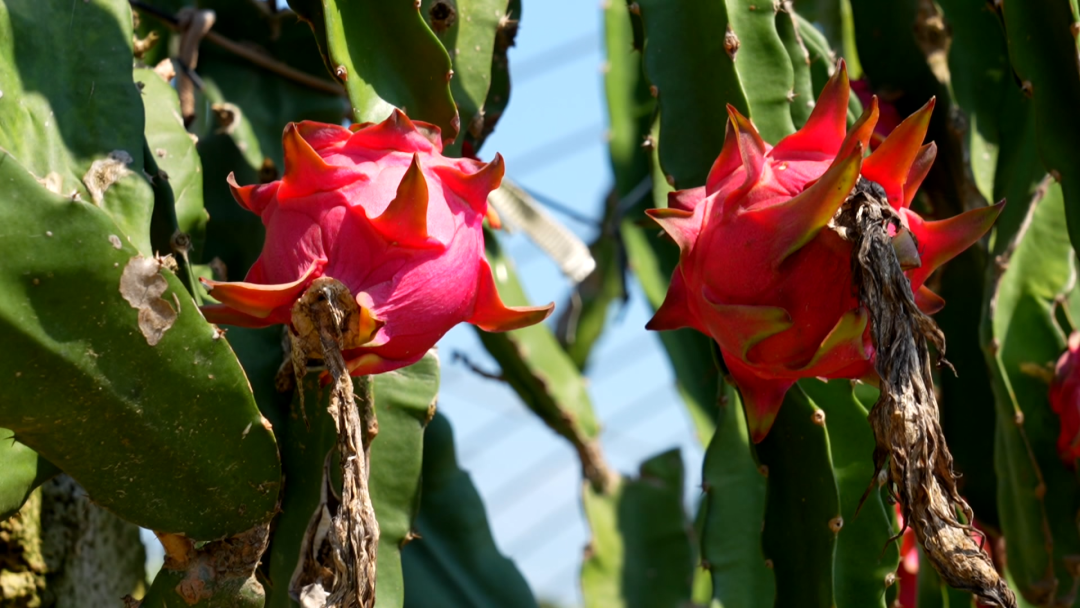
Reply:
x=909, y=439
x=325, y=321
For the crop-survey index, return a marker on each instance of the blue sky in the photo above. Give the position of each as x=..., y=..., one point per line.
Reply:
x=553, y=138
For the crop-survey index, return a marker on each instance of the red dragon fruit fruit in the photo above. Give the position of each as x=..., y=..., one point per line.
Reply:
x=760, y=271
x=380, y=209
x=1065, y=400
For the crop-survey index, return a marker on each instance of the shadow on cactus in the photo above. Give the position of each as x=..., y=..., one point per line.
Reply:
x=805, y=260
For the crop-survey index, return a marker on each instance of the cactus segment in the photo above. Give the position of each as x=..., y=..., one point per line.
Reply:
x=691, y=64
x=1037, y=494
x=802, y=505
x=136, y=456
x=732, y=520
x=453, y=556
x=641, y=554
x=410, y=62
x=404, y=401
x=468, y=30
x=763, y=65
x=58, y=132
x=174, y=153
x=865, y=557
x=1049, y=74
x=23, y=471
x=542, y=374
x=802, y=102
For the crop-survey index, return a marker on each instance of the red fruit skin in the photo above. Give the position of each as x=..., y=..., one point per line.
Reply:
x=1065, y=401
x=761, y=273
x=378, y=208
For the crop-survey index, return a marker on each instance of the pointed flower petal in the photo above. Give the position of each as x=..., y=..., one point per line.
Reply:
x=762, y=397
x=674, y=313
x=728, y=162
x=404, y=222
x=489, y=312
x=752, y=149
x=928, y=301
x=473, y=187
x=891, y=161
x=919, y=169
x=943, y=240
x=796, y=221
x=678, y=224
x=260, y=300
x=824, y=131
x=395, y=133
x=306, y=172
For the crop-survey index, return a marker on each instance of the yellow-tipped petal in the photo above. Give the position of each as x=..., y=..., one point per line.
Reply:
x=891, y=161
x=919, y=169
x=404, y=222
x=678, y=224
x=476, y=186
x=751, y=149
x=489, y=312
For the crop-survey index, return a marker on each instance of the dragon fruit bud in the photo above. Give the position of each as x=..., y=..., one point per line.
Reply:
x=761, y=271
x=1065, y=400
x=380, y=209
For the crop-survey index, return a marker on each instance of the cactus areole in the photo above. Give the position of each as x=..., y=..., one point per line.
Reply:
x=763, y=269
x=380, y=209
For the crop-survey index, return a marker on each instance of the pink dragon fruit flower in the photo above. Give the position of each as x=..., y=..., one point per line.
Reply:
x=379, y=208
x=1065, y=401
x=762, y=274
